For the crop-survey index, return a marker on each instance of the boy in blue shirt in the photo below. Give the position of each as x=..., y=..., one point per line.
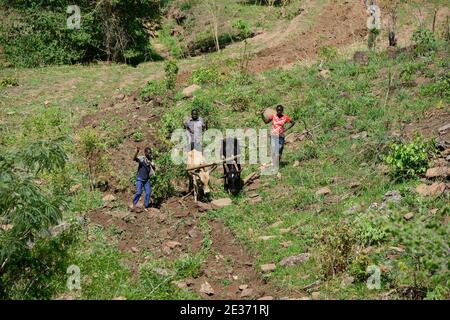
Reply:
x=146, y=168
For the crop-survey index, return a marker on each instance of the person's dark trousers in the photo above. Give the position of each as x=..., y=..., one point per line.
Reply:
x=148, y=190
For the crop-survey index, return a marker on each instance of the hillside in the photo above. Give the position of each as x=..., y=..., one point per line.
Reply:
x=360, y=206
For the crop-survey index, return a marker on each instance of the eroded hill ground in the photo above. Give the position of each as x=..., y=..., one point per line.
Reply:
x=336, y=208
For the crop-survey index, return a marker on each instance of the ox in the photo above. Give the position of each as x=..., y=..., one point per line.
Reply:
x=231, y=168
x=199, y=173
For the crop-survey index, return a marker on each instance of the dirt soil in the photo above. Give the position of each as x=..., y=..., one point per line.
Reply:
x=338, y=24
x=173, y=230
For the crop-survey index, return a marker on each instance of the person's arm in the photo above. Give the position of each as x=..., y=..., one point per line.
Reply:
x=186, y=126
x=135, y=158
x=266, y=121
x=290, y=125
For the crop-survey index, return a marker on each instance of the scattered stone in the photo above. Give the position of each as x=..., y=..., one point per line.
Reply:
x=296, y=163
x=220, y=203
x=134, y=249
x=180, y=284
x=173, y=244
x=163, y=272
x=202, y=206
x=408, y=216
x=75, y=188
x=268, y=267
x=286, y=244
x=353, y=209
x=323, y=191
x=434, y=190
x=346, y=281
x=293, y=260
x=193, y=233
x=332, y=199
x=109, y=198
x=295, y=137
x=438, y=172
x=354, y=184
x=252, y=194
x=276, y=224
x=246, y=293
x=359, y=135
x=266, y=238
x=325, y=73
x=313, y=285
x=206, y=289
x=120, y=96
x=255, y=200
x=397, y=249
x=266, y=298
x=315, y=295
x=6, y=227
x=446, y=152
x=189, y=91
x=443, y=130
x=392, y=196
x=243, y=287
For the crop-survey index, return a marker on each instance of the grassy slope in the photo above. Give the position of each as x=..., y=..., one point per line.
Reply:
x=291, y=199
x=335, y=154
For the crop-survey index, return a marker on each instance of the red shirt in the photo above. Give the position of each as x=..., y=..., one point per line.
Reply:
x=278, y=124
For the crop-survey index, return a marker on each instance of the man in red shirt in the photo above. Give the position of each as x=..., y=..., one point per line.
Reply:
x=278, y=130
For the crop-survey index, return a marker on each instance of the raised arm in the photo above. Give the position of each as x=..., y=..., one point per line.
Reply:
x=135, y=158
x=266, y=121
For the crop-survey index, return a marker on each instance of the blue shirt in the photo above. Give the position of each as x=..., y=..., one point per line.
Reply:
x=145, y=169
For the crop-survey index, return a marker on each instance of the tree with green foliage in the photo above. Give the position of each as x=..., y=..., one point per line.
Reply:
x=36, y=32
x=27, y=211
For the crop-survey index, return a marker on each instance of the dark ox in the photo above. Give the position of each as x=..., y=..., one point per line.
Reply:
x=232, y=168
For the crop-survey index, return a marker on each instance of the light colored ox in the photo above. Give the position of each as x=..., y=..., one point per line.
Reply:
x=199, y=177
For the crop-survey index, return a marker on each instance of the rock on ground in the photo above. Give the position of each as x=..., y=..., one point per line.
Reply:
x=189, y=91
x=438, y=172
x=434, y=190
x=293, y=260
x=220, y=203
x=268, y=267
x=206, y=288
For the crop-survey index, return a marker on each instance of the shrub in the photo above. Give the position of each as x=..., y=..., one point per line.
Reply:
x=37, y=32
x=337, y=249
x=328, y=53
x=171, y=70
x=92, y=147
x=407, y=160
x=138, y=136
x=153, y=88
x=166, y=171
x=26, y=210
x=425, y=42
x=204, y=75
x=9, y=82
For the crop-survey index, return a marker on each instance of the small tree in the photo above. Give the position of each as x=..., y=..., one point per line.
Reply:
x=26, y=210
x=171, y=70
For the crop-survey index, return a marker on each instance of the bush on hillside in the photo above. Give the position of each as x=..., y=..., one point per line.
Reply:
x=37, y=33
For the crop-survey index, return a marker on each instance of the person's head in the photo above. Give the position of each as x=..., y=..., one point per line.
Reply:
x=194, y=114
x=148, y=152
x=280, y=109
